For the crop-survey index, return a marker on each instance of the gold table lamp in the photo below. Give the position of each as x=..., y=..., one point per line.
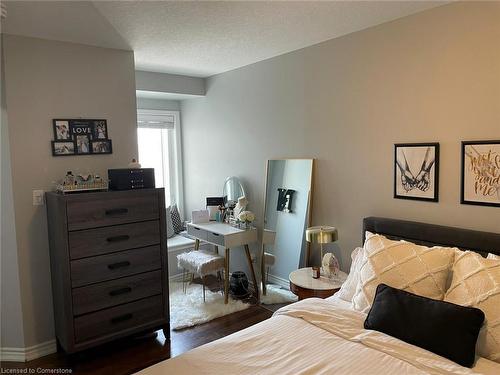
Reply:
x=321, y=234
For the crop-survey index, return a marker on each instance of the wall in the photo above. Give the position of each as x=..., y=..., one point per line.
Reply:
x=433, y=76
x=11, y=328
x=169, y=83
x=46, y=80
x=161, y=104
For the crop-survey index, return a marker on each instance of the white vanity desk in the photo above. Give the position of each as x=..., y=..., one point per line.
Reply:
x=227, y=236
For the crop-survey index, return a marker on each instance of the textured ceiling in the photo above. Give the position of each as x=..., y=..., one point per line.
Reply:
x=68, y=21
x=201, y=38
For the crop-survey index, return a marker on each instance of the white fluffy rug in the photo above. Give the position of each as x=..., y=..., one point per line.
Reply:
x=188, y=309
x=275, y=294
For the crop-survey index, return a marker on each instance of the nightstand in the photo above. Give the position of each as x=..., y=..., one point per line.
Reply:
x=304, y=286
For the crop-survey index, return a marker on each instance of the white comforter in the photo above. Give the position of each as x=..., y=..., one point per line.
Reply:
x=313, y=336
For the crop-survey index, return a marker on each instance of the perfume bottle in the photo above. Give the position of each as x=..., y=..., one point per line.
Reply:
x=69, y=179
x=316, y=272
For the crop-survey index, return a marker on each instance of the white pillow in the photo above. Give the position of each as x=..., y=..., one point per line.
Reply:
x=417, y=269
x=348, y=288
x=476, y=282
x=493, y=256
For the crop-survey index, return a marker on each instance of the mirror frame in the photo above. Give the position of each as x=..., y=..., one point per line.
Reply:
x=239, y=181
x=308, y=221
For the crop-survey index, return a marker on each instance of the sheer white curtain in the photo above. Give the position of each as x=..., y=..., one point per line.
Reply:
x=158, y=134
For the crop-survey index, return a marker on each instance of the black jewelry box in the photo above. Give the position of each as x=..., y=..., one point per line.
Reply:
x=129, y=179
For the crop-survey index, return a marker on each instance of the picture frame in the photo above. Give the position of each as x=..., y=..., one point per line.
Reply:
x=285, y=198
x=100, y=129
x=101, y=147
x=63, y=148
x=416, y=171
x=62, y=130
x=82, y=127
x=480, y=173
x=82, y=144
x=89, y=136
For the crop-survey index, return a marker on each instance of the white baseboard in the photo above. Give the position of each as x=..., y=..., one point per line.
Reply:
x=284, y=283
x=29, y=353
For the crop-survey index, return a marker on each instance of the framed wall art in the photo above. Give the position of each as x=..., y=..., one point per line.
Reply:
x=82, y=144
x=416, y=171
x=87, y=136
x=102, y=146
x=61, y=130
x=285, y=197
x=63, y=148
x=480, y=183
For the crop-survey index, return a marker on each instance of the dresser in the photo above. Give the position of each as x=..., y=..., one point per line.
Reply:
x=108, y=260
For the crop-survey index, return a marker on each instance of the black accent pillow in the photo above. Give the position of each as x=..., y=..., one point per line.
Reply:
x=176, y=219
x=444, y=328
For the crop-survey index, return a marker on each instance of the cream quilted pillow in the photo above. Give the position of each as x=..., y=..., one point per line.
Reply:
x=417, y=269
x=476, y=282
x=348, y=288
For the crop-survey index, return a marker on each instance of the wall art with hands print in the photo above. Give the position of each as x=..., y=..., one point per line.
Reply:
x=416, y=171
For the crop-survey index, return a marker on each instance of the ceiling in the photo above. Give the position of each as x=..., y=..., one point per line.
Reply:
x=201, y=38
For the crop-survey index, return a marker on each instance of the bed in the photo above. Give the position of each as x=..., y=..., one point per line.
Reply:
x=317, y=336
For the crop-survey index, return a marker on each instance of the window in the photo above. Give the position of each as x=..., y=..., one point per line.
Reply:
x=159, y=138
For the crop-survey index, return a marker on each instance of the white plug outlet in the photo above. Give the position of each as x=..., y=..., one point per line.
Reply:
x=38, y=197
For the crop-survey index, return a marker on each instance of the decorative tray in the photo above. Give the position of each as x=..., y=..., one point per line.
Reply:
x=81, y=187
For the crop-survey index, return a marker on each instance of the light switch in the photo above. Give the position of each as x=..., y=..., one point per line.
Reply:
x=38, y=197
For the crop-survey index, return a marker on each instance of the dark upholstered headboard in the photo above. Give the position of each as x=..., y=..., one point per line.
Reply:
x=433, y=235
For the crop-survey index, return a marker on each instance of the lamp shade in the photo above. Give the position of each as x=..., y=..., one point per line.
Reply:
x=321, y=234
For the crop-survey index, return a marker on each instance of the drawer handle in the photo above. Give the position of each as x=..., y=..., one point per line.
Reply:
x=121, y=318
x=114, y=266
x=116, y=211
x=196, y=228
x=123, y=237
x=215, y=234
x=117, y=292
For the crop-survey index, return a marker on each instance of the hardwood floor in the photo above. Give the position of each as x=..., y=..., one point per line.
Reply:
x=129, y=355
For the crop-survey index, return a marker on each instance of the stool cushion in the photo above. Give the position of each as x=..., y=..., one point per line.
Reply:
x=201, y=262
x=269, y=259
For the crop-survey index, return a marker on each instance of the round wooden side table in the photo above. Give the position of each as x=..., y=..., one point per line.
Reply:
x=304, y=286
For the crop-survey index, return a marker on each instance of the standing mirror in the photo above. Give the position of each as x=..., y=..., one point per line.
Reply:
x=287, y=213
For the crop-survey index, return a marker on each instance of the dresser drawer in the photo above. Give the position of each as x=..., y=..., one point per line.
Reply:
x=112, y=209
x=116, y=292
x=90, y=242
x=215, y=238
x=111, y=266
x=118, y=318
x=199, y=233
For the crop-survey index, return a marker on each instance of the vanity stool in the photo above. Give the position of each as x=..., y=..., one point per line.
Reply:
x=200, y=262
